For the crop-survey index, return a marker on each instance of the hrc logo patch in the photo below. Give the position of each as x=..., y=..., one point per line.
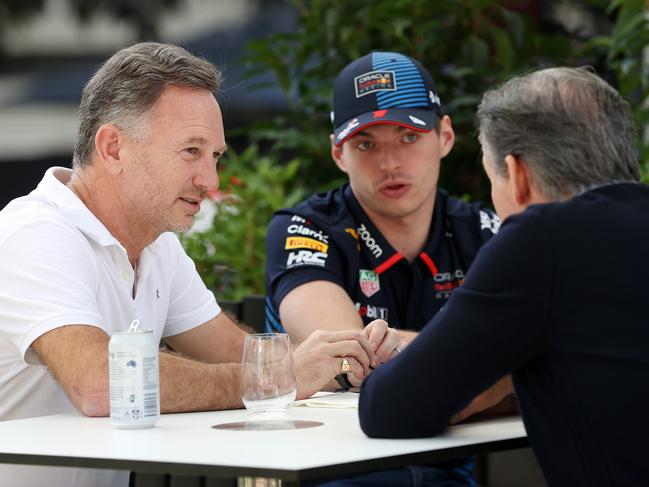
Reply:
x=374, y=81
x=305, y=243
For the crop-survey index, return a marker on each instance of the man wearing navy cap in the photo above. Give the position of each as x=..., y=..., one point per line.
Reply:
x=388, y=244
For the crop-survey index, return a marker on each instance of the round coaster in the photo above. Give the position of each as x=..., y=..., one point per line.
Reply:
x=268, y=425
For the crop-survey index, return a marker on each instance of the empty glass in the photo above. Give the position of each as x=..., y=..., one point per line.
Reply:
x=267, y=376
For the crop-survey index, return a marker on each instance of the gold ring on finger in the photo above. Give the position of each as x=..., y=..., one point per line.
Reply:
x=345, y=367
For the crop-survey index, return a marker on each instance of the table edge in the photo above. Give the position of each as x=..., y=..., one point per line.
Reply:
x=226, y=471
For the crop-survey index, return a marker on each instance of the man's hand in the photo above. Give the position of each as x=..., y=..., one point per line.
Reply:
x=386, y=342
x=488, y=399
x=318, y=358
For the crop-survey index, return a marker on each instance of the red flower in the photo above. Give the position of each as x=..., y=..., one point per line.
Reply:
x=235, y=181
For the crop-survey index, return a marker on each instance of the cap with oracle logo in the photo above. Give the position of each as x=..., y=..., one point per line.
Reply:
x=383, y=87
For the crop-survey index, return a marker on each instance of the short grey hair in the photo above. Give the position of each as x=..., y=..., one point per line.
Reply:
x=125, y=89
x=571, y=127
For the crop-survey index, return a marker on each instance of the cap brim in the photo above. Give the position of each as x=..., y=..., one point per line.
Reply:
x=420, y=119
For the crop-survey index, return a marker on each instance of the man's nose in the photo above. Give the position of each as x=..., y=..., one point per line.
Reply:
x=207, y=177
x=389, y=159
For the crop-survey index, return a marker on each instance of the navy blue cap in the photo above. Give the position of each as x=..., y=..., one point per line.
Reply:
x=383, y=87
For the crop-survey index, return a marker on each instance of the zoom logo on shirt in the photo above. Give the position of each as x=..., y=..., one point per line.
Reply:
x=306, y=257
x=369, y=241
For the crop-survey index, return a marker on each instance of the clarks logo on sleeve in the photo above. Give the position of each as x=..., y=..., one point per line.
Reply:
x=489, y=222
x=306, y=257
x=369, y=241
x=305, y=243
x=302, y=230
x=374, y=81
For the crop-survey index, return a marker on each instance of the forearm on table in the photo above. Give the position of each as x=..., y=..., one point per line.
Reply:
x=317, y=305
x=187, y=385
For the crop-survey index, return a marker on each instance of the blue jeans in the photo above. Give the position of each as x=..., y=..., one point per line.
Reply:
x=411, y=476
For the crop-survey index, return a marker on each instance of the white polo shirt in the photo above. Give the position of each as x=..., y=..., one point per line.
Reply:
x=59, y=265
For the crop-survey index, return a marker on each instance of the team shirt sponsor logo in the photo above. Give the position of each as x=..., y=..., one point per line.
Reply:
x=352, y=232
x=374, y=81
x=445, y=282
x=369, y=241
x=297, y=218
x=308, y=232
x=489, y=222
x=372, y=312
x=306, y=257
x=369, y=282
x=305, y=243
x=351, y=125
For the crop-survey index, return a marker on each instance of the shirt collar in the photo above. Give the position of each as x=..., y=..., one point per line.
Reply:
x=53, y=188
x=389, y=256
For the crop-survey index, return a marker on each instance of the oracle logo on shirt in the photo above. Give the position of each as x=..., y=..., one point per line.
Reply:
x=445, y=282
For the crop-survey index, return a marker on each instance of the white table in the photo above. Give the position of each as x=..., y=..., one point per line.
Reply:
x=186, y=444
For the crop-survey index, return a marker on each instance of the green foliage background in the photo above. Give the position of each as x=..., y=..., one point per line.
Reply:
x=468, y=45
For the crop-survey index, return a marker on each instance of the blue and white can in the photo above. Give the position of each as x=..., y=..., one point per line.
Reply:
x=134, y=379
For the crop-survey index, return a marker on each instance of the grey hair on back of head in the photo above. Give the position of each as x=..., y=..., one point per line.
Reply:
x=126, y=87
x=571, y=127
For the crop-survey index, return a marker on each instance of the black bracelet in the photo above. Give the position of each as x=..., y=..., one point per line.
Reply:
x=343, y=381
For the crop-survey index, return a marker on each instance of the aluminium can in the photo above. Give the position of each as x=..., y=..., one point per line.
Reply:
x=134, y=379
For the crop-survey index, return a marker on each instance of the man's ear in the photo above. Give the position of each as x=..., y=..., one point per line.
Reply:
x=446, y=136
x=337, y=154
x=108, y=145
x=519, y=181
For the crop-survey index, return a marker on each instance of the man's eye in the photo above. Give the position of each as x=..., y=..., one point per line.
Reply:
x=365, y=145
x=410, y=138
x=192, y=151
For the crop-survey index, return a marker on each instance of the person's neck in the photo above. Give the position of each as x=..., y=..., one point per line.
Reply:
x=407, y=234
x=102, y=198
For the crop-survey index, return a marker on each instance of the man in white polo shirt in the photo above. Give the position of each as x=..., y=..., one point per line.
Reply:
x=91, y=249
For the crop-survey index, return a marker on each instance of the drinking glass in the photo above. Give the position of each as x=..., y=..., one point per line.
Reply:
x=267, y=376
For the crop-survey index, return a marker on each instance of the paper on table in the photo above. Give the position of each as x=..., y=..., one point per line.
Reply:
x=340, y=400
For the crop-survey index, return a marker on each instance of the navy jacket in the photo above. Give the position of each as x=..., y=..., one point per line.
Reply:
x=558, y=298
